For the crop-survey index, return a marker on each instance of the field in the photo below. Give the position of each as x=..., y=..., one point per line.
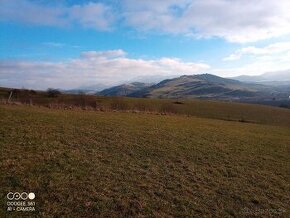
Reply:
x=228, y=111
x=205, y=159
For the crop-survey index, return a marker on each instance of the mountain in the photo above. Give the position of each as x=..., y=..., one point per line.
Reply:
x=124, y=89
x=251, y=79
x=151, y=78
x=202, y=86
x=88, y=89
x=279, y=76
x=206, y=86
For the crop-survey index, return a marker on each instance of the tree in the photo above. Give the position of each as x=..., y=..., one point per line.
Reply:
x=52, y=93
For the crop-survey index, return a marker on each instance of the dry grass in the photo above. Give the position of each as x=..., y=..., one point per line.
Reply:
x=199, y=108
x=105, y=164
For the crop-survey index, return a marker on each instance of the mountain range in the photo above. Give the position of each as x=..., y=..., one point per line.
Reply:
x=205, y=86
x=270, y=77
x=200, y=86
x=268, y=88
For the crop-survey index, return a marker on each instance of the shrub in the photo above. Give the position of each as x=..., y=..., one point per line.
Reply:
x=52, y=93
x=178, y=102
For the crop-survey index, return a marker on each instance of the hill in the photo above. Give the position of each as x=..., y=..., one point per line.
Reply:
x=124, y=89
x=207, y=86
x=191, y=107
x=280, y=76
x=203, y=86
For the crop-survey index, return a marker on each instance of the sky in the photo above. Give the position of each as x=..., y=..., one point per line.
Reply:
x=70, y=44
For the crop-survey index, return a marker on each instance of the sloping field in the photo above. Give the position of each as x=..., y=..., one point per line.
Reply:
x=229, y=111
x=106, y=164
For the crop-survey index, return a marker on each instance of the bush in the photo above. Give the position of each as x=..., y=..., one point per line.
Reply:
x=52, y=93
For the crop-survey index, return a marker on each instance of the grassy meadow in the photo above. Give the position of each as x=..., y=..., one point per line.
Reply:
x=229, y=111
x=224, y=160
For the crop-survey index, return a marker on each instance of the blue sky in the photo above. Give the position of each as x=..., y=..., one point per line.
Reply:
x=70, y=44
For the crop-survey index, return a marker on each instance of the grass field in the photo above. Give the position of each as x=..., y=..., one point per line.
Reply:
x=117, y=164
x=229, y=111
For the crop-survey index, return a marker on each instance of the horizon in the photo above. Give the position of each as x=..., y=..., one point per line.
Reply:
x=70, y=44
x=102, y=87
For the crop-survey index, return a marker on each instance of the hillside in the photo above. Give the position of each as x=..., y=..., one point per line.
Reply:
x=202, y=86
x=124, y=89
x=205, y=86
x=280, y=77
x=105, y=164
x=191, y=107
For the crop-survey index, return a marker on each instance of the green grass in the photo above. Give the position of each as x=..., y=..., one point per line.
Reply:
x=116, y=164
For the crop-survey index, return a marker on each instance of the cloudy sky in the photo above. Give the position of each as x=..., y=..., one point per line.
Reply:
x=76, y=43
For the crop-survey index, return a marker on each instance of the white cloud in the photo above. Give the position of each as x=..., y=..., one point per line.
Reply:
x=90, y=15
x=256, y=67
x=271, y=58
x=54, y=44
x=105, y=67
x=233, y=57
x=234, y=20
x=103, y=54
x=29, y=12
x=264, y=52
